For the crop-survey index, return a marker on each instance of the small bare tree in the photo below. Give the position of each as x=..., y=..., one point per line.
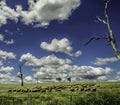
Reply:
x=69, y=79
x=110, y=38
x=21, y=73
x=37, y=79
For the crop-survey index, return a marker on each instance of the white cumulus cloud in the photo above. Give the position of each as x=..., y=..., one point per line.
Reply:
x=77, y=73
x=4, y=57
x=8, y=78
x=1, y=37
x=44, y=11
x=7, y=69
x=29, y=79
x=8, y=42
x=39, y=12
x=89, y=73
x=118, y=76
x=103, y=61
x=7, y=13
x=78, y=53
x=63, y=45
x=7, y=55
x=31, y=60
x=48, y=68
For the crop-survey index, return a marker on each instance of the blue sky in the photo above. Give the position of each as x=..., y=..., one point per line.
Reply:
x=48, y=36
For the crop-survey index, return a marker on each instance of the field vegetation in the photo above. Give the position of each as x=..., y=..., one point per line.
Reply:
x=95, y=93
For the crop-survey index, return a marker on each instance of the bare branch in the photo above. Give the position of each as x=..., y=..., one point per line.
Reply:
x=101, y=20
x=106, y=1
x=111, y=38
x=95, y=38
x=111, y=35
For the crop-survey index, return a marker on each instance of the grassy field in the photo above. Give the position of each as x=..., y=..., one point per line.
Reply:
x=100, y=93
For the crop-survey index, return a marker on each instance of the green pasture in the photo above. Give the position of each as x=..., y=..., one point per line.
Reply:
x=107, y=93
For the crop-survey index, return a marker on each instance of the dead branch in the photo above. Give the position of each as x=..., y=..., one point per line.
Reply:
x=110, y=38
x=95, y=38
x=101, y=20
x=111, y=35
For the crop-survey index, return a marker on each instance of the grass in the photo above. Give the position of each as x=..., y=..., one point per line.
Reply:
x=108, y=93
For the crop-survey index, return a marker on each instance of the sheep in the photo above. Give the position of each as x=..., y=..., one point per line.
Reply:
x=93, y=89
x=10, y=90
x=19, y=90
x=57, y=89
x=82, y=89
x=14, y=90
x=35, y=90
x=77, y=89
x=88, y=89
x=50, y=89
x=43, y=90
x=72, y=89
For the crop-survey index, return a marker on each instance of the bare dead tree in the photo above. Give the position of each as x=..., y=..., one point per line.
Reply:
x=21, y=73
x=110, y=38
x=69, y=79
x=37, y=79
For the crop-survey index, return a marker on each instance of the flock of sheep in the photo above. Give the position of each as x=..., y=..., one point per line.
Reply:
x=72, y=87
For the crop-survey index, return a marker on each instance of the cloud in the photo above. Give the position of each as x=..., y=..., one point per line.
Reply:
x=31, y=60
x=29, y=79
x=77, y=73
x=103, y=61
x=78, y=53
x=39, y=12
x=118, y=73
x=50, y=73
x=4, y=57
x=118, y=76
x=7, y=13
x=1, y=63
x=63, y=45
x=8, y=78
x=7, y=69
x=89, y=73
x=8, y=42
x=1, y=37
x=50, y=67
x=7, y=55
x=44, y=11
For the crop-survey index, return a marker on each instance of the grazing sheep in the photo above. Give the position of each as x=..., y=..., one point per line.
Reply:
x=26, y=90
x=35, y=90
x=88, y=89
x=14, y=90
x=82, y=89
x=43, y=90
x=57, y=89
x=10, y=90
x=72, y=89
x=93, y=89
x=50, y=90
x=85, y=89
x=77, y=89
x=19, y=90
x=84, y=85
x=38, y=87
